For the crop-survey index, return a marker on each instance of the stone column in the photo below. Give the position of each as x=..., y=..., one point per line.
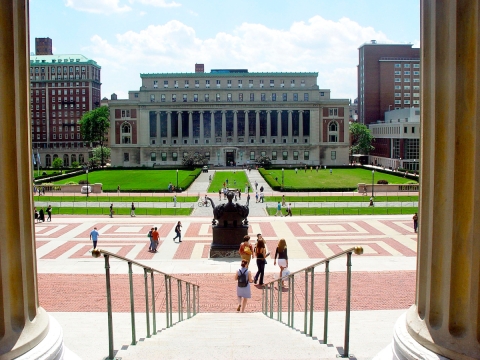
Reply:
x=169, y=128
x=212, y=129
x=159, y=128
x=269, y=127
x=25, y=328
x=224, y=127
x=257, y=127
x=179, y=127
x=235, y=130
x=190, y=127
x=247, y=135
x=445, y=319
x=279, y=126
x=290, y=127
x=300, y=127
x=202, y=130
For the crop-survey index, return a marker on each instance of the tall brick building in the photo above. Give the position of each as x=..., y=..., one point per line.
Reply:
x=62, y=88
x=388, y=79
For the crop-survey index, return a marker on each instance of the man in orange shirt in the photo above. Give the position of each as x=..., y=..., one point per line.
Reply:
x=156, y=239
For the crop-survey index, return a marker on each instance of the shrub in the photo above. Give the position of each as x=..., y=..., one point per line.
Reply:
x=382, y=182
x=71, y=183
x=82, y=182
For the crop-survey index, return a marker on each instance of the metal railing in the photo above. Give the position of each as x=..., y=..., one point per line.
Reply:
x=188, y=298
x=273, y=300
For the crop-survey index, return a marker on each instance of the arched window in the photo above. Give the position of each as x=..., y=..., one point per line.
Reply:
x=48, y=160
x=126, y=128
x=333, y=131
x=55, y=156
x=73, y=158
x=65, y=160
x=126, y=133
x=81, y=160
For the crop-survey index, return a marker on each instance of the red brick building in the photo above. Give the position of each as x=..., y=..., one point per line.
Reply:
x=388, y=79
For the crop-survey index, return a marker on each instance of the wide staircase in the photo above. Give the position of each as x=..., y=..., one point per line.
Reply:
x=176, y=329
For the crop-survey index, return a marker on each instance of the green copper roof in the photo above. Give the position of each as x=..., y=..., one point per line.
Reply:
x=62, y=59
x=230, y=75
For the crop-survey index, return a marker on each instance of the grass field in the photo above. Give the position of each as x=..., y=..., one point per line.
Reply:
x=341, y=198
x=120, y=211
x=339, y=178
x=135, y=180
x=236, y=180
x=347, y=211
x=94, y=198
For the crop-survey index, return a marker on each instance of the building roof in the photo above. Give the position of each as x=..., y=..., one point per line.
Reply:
x=229, y=74
x=61, y=59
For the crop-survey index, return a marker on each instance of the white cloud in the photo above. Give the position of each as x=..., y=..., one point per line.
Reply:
x=157, y=3
x=317, y=45
x=97, y=6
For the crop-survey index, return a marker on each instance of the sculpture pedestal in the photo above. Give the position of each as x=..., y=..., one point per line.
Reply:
x=226, y=241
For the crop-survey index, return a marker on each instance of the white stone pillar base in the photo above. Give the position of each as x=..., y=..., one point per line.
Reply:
x=404, y=346
x=51, y=347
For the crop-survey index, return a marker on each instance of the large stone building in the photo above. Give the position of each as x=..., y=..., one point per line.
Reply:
x=62, y=88
x=388, y=79
x=230, y=116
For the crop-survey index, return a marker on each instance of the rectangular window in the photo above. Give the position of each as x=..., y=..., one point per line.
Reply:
x=274, y=97
x=152, y=98
x=229, y=83
x=252, y=155
x=406, y=65
x=398, y=87
x=406, y=94
x=305, y=97
x=295, y=155
x=261, y=83
x=416, y=102
x=292, y=82
x=162, y=98
x=406, y=102
x=175, y=84
x=406, y=87
x=272, y=83
x=165, y=83
x=185, y=98
x=398, y=95
x=229, y=97
x=306, y=155
x=207, y=97
x=240, y=97
x=398, y=72
x=207, y=83
x=207, y=155
x=398, y=101
x=164, y=156
x=250, y=83
x=333, y=155
x=416, y=80
x=239, y=83
x=406, y=73
x=217, y=97
x=153, y=156
x=274, y=155
x=333, y=112
x=126, y=157
x=186, y=84
x=155, y=84
x=406, y=79
x=262, y=97
x=174, y=156
x=284, y=96
x=416, y=66
x=195, y=97
x=197, y=83
x=174, y=97
x=218, y=83
x=252, y=97
x=285, y=155
x=295, y=96
x=398, y=80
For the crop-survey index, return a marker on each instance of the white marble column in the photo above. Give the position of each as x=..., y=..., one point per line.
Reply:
x=224, y=127
x=247, y=135
x=257, y=126
x=279, y=126
x=190, y=127
x=269, y=127
x=235, y=126
x=179, y=128
x=300, y=128
x=212, y=129
x=202, y=131
x=169, y=128
x=290, y=127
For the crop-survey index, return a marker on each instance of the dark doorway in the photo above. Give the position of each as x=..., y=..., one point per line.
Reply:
x=230, y=158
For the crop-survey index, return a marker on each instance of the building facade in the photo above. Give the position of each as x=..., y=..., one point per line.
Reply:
x=388, y=79
x=62, y=89
x=231, y=116
x=397, y=140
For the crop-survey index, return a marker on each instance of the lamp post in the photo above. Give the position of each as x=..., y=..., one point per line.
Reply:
x=373, y=182
x=241, y=157
x=87, y=181
x=176, y=189
x=283, y=175
x=218, y=158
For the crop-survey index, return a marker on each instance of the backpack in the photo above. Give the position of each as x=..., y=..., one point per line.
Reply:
x=242, y=279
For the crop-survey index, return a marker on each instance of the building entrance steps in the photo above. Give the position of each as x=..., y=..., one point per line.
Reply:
x=229, y=336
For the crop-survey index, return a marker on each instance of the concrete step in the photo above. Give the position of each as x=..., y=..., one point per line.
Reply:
x=229, y=336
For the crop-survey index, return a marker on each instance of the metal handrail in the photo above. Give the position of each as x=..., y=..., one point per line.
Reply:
x=192, y=297
x=268, y=297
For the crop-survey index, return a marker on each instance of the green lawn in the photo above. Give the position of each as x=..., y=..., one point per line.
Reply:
x=120, y=211
x=347, y=211
x=136, y=180
x=339, y=178
x=345, y=198
x=94, y=198
x=236, y=180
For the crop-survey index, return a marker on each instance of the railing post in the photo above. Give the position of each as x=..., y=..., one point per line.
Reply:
x=271, y=300
x=180, y=301
x=279, y=301
x=306, y=304
x=347, y=310
x=154, y=315
x=109, y=308
x=312, y=286
x=145, y=275
x=187, y=289
x=263, y=300
x=132, y=304
x=325, y=318
x=170, y=300
x=293, y=300
x=194, y=303
x=167, y=302
x=288, y=302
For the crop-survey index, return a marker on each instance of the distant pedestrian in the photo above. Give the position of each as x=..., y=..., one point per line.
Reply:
x=283, y=200
x=296, y=170
x=35, y=213
x=94, y=237
x=235, y=182
x=111, y=210
x=261, y=189
x=279, y=209
x=317, y=168
x=219, y=194
x=41, y=215
x=243, y=276
x=248, y=198
x=225, y=191
x=371, y=201
x=49, y=213
x=156, y=239
x=261, y=197
x=256, y=197
x=246, y=187
x=305, y=168
x=281, y=254
x=239, y=194
x=226, y=182
x=178, y=231
x=331, y=171
x=132, y=210
x=118, y=189
x=311, y=168
x=260, y=253
x=289, y=209
x=175, y=200
x=415, y=222
x=150, y=237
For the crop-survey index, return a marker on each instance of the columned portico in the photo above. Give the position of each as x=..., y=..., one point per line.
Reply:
x=257, y=126
x=445, y=320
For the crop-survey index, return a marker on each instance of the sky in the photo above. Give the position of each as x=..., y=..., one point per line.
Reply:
x=130, y=37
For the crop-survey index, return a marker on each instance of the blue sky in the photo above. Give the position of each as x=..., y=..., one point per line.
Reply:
x=129, y=37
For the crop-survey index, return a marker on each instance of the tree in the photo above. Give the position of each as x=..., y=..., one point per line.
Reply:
x=101, y=152
x=264, y=161
x=94, y=126
x=194, y=159
x=360, y=139
x=57, y=163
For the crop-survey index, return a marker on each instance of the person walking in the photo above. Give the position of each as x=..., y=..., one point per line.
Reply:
x=150, y=237
x=35, y=212
x=178, y=231
x=118, y=190
x=220, y=195
x=283, y=200
x=239, y=194
x=41, y=215
x=246, y=249
x=262, y=196
x=243, y=277
x=256, y=185
x=261, y=188
x=175, y=200
x=279, y=209
x=49, y=213
x=260, y=253
x=156, y=239
x=132, y=210
x=289, y=209
x=111, y=210
x=281, y=254
x=256, y=197
x=94, y=237
x=415, y=222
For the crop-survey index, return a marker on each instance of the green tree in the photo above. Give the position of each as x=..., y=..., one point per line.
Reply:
x=57, y=163
x=101, y=152
x=360, y=139
x=94, y=126
x=75, y=164
x=194, y=159
x=264, y=161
